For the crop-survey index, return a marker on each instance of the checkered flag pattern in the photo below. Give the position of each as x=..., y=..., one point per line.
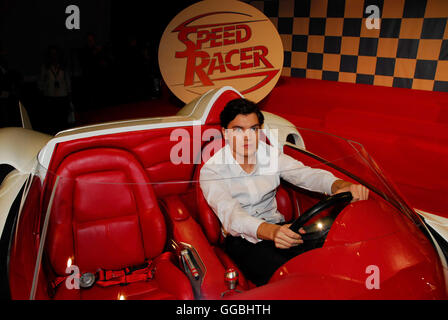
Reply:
x=329, y=40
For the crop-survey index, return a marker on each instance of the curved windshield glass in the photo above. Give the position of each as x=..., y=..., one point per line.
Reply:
x=94, y=226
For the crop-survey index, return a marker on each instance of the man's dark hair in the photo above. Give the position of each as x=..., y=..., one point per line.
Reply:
x=239, y=106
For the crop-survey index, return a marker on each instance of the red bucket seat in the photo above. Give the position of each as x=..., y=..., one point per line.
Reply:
x=105, y=216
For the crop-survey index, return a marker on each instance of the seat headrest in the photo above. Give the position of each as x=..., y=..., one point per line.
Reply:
x=219, y=104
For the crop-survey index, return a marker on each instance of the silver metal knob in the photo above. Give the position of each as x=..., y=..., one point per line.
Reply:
x=231, y=278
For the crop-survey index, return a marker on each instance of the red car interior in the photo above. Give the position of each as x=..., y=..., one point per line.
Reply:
x=136, y=228
x=404, y=130
x=149, y=153
x=105, y=215
x=115, y=207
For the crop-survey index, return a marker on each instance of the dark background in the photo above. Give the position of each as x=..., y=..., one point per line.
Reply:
x=128, y=87
x=29, y=27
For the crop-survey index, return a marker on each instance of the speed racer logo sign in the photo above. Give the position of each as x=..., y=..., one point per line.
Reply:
x=215, y=43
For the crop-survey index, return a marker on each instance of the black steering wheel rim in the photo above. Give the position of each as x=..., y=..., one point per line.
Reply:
x=319, y=207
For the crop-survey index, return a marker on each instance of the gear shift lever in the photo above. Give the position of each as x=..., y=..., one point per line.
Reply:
x=231, y=279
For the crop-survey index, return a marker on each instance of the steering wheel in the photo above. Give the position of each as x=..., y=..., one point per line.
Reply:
x=319, y=207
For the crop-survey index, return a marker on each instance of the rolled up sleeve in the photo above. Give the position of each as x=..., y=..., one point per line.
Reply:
x=234, y=219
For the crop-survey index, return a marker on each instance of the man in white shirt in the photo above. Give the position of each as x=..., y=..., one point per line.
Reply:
x=239, y=183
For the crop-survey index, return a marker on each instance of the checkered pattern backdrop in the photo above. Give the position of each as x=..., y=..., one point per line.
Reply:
x=328, y=39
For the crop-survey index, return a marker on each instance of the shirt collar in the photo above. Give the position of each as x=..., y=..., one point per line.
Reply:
x=234, y=166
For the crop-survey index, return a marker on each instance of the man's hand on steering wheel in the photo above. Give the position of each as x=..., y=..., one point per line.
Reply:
x=282, y=236
x=358, y=191
x=285, y=238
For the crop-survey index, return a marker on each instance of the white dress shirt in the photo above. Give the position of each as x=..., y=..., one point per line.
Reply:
x=241, y=200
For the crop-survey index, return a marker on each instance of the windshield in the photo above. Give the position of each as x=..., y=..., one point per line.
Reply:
x=105, y=209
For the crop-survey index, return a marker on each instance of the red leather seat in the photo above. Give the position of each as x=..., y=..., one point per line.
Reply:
x=105, y=215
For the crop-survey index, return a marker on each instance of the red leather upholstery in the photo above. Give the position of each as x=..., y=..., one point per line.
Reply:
x=218, y=106
x=284, y=205
x=151, y=148
x=207, y=218
x=105, y=215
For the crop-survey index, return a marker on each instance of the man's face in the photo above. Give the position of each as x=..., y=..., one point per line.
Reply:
x=242, y=134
